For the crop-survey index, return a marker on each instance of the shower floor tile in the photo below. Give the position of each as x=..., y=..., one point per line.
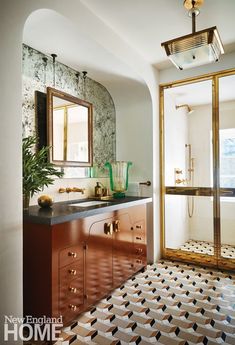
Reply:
x=203, y=247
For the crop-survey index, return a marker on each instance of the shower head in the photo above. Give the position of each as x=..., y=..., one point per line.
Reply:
x=189, y=110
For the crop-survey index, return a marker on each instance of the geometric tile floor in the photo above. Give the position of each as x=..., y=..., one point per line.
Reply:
x=203, y=247
x=170, y=303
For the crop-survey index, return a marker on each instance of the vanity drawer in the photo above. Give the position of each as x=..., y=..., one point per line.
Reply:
x=139, y=237
x=70, y=255
x=139, y=262
x=139, y=232
x=140, y=249
x=71, y=272
x=70, y=308
x=139, y=226
x=73, y=289
x=72, y=294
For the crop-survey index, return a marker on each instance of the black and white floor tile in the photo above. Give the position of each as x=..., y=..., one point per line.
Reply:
x=170, y=303
x=203, y=247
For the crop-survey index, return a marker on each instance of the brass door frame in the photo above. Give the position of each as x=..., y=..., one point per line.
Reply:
x=216, y=260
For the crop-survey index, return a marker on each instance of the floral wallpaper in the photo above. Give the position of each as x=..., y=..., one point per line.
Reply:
x=38, y=73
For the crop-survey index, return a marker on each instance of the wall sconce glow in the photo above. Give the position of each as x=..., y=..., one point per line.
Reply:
x=197, y=48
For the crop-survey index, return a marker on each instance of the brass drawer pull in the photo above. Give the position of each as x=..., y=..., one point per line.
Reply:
x=138, y=226
x=139, y=250
x=108, y=228
x=74, y=255
x=116, y=226
x=73, y=272
x=73, y=307
x=138, y=238
x=72, y=289
x=139, y=261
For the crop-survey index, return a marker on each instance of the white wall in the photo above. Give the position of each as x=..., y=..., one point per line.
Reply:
x=200, y=127
x=134, y=138
x=134, y=131
x=176, y=136
x=10, y=165
x=201, y=224
x=85, y=183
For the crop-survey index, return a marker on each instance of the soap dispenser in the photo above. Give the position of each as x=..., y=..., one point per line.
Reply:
x=98, y=190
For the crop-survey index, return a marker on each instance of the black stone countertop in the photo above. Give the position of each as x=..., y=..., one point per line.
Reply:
x=62, y=212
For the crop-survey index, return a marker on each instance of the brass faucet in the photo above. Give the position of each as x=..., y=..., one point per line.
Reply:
x=73, y=189
x=179, y=181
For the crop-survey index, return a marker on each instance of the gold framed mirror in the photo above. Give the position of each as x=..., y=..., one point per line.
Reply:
x=69, y=123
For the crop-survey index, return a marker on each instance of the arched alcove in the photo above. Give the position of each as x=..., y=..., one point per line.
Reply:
x=79, y=51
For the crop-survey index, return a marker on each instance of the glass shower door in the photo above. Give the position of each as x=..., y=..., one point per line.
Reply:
x=227, y=170
x=187, y=196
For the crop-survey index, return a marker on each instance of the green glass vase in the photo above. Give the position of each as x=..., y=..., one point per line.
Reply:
x=118, y=172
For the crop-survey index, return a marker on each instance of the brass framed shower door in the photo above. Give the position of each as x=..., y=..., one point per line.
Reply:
x=214, y=192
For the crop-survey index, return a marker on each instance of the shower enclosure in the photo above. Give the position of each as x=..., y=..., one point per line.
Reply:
x=197, y=124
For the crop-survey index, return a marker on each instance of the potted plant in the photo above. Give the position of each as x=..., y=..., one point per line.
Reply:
x=38, y=172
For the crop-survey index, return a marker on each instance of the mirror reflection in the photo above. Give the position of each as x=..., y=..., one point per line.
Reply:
x=69, y=129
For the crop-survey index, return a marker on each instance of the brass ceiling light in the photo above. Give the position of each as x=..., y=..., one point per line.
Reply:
x=197, y=48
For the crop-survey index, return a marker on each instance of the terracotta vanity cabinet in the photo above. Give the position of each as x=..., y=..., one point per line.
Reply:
x=53, y=272
x=108, y=255
x=122, y=248
x=98, y=258
x=114, y=251
x=72, y=265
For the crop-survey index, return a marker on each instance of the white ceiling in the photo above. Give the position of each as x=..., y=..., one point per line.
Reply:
x=49, y=32
x=142, y=24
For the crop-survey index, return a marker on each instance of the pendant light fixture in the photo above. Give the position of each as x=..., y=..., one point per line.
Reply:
x=45, y=59
x=54, y=56
x=197, y=48
x=84, y=76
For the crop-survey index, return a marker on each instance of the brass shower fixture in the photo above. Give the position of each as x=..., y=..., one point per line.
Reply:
x=189, y=110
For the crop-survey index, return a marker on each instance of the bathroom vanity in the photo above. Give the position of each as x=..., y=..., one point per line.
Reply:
x=74, y=255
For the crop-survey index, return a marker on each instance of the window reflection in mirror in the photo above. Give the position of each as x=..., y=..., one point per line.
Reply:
x=69, y=129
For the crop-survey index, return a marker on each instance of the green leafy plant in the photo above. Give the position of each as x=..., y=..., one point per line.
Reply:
x=38, y=172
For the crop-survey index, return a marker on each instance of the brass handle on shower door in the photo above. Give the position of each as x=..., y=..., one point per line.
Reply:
x=228, y=192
